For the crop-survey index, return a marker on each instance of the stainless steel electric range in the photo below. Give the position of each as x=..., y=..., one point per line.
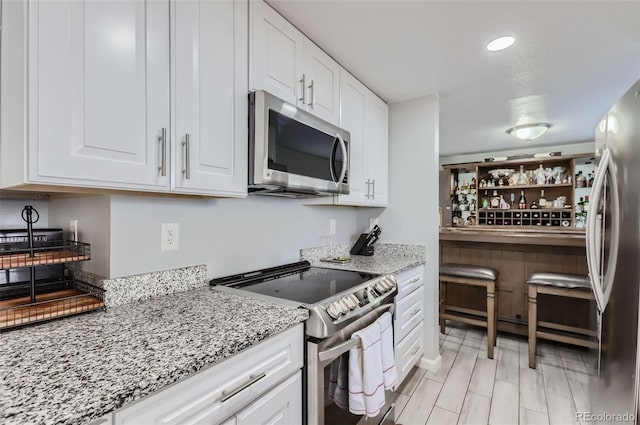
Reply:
x=340, y=303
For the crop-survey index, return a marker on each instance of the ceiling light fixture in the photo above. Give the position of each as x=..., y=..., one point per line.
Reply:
x=529, y=131
x=500, y=43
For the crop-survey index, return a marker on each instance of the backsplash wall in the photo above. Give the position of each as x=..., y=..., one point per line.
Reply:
x=11, y=209
x=228, y=235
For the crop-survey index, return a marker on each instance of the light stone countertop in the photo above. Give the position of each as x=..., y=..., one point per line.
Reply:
x=387, y=259
x=74, y=370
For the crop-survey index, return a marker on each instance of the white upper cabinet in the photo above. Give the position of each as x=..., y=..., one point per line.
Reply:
x=115, y=87
x=353, y=99
x=210, y=97
x=98, y=92
x=322, y=81
x=366, y=117
x=276, y=49
x=288, y=65
x=377, y=147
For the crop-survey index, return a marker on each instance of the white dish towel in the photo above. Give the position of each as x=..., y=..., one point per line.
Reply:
x=388, y=359
x=366, y=379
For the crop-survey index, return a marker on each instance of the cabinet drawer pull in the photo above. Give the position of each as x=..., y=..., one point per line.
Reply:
x=227, y=394
x=414, y=280
x=415, y=350
x=368, y=188
x=186, y=162
x=373, y=189
x=414, y=312
x=302, y=89
x=162, y=168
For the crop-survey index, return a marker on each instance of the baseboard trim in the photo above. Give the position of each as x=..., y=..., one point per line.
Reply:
x=432, y=365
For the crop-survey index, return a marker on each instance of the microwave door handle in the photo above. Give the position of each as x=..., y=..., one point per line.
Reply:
x=345, y=159
x=332, y=159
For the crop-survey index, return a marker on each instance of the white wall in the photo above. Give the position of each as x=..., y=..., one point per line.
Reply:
x=11, y=213
x=228, y=235
x=94, y=227
x=412, y=214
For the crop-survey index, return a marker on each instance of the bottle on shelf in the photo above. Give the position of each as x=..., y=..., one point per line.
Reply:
x=495, y=200
x=580, y=206
x=503, y=203
x=542, y=202
x=534, y=206
x=522, y=203
x=585, y=205
x=581, y=180
x=464, y=187
x=522, y=180
x=472, y=205
x=485, y=200
x=472, y=187
x=513, y=199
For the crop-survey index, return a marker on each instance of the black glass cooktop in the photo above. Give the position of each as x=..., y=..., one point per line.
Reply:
x=301, y=283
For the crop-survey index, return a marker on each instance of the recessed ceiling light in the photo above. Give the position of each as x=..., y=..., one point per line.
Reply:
x=529, y=131
x=500, y=43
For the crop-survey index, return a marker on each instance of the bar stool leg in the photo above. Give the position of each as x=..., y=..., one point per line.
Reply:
x=491, y=321
x=533, y=324
x=495, y=316
x=443, y=301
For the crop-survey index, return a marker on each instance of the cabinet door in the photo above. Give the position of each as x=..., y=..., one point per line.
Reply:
x=280, y=406
x=377, y=142
x=353, y=96
x=210, y=97
x=323, y=83
x=276, y=49
x=98, y=92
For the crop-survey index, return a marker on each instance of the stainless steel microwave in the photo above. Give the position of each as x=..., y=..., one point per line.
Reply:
x=293, y=153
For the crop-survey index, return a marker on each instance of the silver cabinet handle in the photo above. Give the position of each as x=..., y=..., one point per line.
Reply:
x=415, y=350
x=368, y=188
x=302, y=89
x=186, y=160
x=227, y=394
x=414, y=312
x=311, y=95
x=373, y=188
x=414, y=280
x=162, y=168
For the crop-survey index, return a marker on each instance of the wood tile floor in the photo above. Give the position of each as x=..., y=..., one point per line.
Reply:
x=469, y=388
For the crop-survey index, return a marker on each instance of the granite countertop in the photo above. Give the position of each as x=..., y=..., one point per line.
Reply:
x=74, y=370
x=387, y=259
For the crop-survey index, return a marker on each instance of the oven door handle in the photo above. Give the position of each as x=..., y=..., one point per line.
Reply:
x=335, y=352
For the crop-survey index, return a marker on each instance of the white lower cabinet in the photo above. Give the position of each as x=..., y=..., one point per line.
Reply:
x=280, y=406
x=408, y=322
x=261, y=382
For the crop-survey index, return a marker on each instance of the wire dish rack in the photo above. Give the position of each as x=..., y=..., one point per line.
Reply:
x=69, y=298
x=45, y=253
x=45, y=300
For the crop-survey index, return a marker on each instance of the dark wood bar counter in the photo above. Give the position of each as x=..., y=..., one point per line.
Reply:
x=516, y=253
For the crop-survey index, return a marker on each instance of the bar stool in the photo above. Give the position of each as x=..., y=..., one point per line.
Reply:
x=562, y=285
x=464, y=274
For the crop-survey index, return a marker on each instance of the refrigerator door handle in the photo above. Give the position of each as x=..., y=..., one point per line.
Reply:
x=602, y=278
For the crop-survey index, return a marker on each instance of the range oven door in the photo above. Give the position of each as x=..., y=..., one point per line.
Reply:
x=291, y=148
x=325, y=404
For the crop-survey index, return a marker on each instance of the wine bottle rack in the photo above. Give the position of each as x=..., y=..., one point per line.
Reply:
x=526, y=217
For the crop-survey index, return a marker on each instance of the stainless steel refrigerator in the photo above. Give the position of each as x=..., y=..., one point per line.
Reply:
x=613, y=254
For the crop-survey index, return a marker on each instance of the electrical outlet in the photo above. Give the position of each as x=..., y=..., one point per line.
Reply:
x=372, y=222
x=332, y=226
x=73, y=229
x=169, y=236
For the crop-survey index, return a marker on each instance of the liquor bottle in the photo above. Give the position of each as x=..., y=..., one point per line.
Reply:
x=472, y=187
x=585, y=206
x=513, y=198
x=503, y=203
x=495, y=200
x=485, y=200
x=522, y=203
x=542, y=202
x=580, y=206
x=472, y=205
